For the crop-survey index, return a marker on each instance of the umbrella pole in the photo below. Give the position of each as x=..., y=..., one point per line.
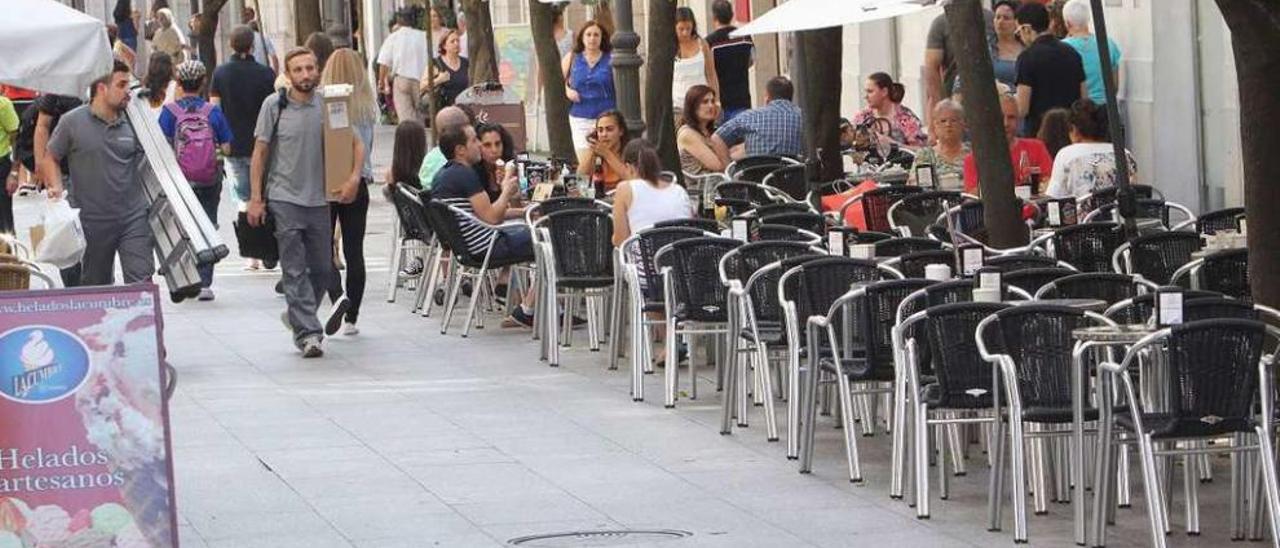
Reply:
x=1125, y=196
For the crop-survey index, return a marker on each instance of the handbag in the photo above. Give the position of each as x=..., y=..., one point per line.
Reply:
x=259, y=242
x=430, y=99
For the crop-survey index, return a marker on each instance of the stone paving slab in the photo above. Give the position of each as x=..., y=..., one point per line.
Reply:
x=401, y=437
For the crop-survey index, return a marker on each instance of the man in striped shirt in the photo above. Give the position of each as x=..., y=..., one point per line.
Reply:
x=458, y=184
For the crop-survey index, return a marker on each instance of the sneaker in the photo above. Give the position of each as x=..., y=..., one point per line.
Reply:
x=350, y=329
x=412, y=269
x=518, y=318
x=336, y=314
x=206, y=294
x=311, y=347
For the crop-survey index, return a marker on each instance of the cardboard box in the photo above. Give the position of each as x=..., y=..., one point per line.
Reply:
x=338, y=137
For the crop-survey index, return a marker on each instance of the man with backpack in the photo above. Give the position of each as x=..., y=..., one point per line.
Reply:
x=198, y=131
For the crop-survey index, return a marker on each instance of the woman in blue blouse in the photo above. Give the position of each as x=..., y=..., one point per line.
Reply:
x=588, y=77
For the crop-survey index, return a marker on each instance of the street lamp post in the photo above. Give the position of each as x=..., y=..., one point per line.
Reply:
x=626, y=67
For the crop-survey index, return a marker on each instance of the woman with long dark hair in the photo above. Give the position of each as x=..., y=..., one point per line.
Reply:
x=697, y=124
x=1055, y=130
x=588, y=81
x=694, y=64
x=884, y=102
x=158, y=82
x=406, y=154
x=602, y=161
x=496, y=149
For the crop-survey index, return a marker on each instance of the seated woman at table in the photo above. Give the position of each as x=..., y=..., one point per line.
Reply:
x=645, y=198
x=697, y=124
x=884, y=102
x=946, y=157
x=496, y=146
x=1088, y=164
x=601, y=161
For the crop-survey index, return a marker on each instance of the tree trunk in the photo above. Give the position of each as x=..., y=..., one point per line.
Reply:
x=659, y=116
x=604, y=15
x=1255, y=41
x=480, y=47
x=306, y=19
x=986, y=124
x=207, y=33
x=541, y=25
x=822, y=52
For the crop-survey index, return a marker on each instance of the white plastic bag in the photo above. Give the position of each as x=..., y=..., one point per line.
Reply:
x=63, y=242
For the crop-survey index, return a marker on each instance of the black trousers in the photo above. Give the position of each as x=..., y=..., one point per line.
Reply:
x=352, y=219
x=6, y=201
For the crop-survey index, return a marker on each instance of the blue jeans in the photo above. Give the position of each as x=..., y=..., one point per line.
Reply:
x=514, y=243
x=209, y=197
x=238, y=170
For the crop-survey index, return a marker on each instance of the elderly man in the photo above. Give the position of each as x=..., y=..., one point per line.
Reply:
x=1078, y=16
x=1037, y=155
x=775, y=128
x=434, y=161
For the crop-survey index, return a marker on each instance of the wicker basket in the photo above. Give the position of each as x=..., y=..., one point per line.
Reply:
x=14, y=276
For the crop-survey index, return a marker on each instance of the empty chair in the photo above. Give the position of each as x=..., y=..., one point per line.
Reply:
x=870, y=312
x=705, y=225
x=1225, y=271
x=1156, y=257
x=1138, y=310
x=1032, y=279
x=768, y=210
x=790, y=180
x=808, y=288
x=966, y=223
x=562, y=203
x=1088, y=246
x=1207, y=308
x=809, y=221
x=694, y=299
x=740, y=197
x=578, y=246
x=875, y=204
x=772, y=232
x=895, y=247
x=913, y=213
x=1214, y=376
x=411, y=236
x=1107, y=196
x=751, y=273
x=1153, y=210
x=913, y=265
x=1032, y=344
x=1106, y=286
x=1216, y=221
x=854, y=236
x=759, y=160
x=1021, y=261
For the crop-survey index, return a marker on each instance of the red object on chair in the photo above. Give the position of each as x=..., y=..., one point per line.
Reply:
x=853, y=216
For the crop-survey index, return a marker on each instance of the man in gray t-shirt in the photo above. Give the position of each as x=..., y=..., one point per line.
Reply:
x=288, y=163
x=104, y=158
x=940, y=60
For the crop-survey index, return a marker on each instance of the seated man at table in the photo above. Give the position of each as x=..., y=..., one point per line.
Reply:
x=458, y=184
x=775, y=128
x=1037, y=155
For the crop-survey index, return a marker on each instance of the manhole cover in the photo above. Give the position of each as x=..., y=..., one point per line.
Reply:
x=623, y=537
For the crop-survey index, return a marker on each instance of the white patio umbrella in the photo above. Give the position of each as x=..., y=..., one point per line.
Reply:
x=797, y=15
x=51, y=48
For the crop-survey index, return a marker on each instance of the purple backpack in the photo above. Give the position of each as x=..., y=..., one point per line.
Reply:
x=194, y=143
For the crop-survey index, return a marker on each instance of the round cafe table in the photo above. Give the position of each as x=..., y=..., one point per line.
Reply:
x=1090, y=305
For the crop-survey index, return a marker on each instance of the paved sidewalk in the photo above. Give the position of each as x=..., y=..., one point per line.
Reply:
x=401, y=437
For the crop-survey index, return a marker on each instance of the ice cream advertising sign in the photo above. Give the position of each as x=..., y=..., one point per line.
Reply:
x=84, y=438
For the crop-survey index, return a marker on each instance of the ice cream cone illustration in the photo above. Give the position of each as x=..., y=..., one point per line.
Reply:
x=36, y=353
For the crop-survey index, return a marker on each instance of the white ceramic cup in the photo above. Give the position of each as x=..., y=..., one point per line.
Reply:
x=937, y=272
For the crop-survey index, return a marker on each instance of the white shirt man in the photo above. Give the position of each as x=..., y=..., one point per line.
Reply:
x=402, y=59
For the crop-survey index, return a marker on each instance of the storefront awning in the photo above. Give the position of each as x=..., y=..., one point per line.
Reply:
x=797, y=15
x=51, y=48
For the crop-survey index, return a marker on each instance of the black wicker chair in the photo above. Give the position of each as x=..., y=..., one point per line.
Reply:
x=1021, y=261
x=756, y=323
x=864, y=357
x=768, y=210
x=1106, y=286
x=705, y=225
x=912, y=265
x=1216, y=221
x=1208, y=308
x=1032, y=279
x=1089, y=246
x=1157, y=256
x=811, y=222
x=854, y=236
x=895, y=247
x=414, y=236
x=913, y=213
x=1033, y=345
x=693, y=296
x=446, y=222
x=579, y=244
x=790, y=180
x=808, y=287
x=1137, y=310
x=740, y=197
x=962, y=383
x=876, y=204
x=1215, y=379
x=1107, y=196
x=759, y=160
x=565, y=203
x=784, y=233
x=1225, y=271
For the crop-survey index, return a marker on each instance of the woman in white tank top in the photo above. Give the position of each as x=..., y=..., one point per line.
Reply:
x=694, y=63
x=645, y=199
